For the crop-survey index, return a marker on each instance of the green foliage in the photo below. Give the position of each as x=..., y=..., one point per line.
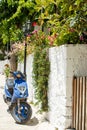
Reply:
x=41, y=71
x=38, y=38
x=1, y=57
x=41, y=68
x=13, y=14
x=63, y=16
x=7, y=70
x=11, y=34
x=67, y=35
x=20, y=55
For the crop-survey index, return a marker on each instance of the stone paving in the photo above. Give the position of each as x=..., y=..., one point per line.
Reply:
x=8, y=123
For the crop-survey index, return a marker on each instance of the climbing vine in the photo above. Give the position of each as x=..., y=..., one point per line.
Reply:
x=41, y=68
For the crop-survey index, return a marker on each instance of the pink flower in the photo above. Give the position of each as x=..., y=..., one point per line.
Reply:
x=49, y=37
x=51, y=43
x=34, y=32
x=28, y=35
x=49, y=29
x=81, y=38
x=52, y=38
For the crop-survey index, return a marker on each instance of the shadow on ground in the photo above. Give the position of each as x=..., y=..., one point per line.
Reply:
x=32, y=122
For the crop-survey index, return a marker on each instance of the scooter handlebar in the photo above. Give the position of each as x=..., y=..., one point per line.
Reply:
x=17, y=74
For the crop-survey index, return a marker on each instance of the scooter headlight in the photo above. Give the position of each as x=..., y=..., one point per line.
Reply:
x=22, y=89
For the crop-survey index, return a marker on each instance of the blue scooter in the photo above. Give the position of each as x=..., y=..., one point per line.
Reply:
x=16, y=87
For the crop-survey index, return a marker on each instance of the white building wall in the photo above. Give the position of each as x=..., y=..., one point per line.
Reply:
x=29, y=73
x=66, y=61
x=57, y=86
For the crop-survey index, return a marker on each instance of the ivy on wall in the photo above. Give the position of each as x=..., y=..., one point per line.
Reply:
x=41, y=69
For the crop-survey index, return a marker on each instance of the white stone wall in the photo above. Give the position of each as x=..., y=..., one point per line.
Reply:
x=57, y=87
x=29, y=70
x=66, y=61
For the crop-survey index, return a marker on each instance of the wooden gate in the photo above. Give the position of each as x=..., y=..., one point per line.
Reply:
x=79, y=120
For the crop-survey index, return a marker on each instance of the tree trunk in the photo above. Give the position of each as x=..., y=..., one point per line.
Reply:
x=13, y=62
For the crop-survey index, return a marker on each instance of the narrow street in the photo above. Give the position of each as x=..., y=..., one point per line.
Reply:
x=8, y=123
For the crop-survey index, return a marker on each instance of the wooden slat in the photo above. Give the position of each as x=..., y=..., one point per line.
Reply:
x=83, y=103
x=74, y=102
x=86, y=107
x=79, y=103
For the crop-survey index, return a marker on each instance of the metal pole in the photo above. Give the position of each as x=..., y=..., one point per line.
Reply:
x=26, y=28
x=25, y=54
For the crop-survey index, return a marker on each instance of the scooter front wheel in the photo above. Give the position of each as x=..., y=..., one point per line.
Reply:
x=24, y=115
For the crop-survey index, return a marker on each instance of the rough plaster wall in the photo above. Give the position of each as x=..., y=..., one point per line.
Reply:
x=29, y=70
x=57, y=86
x=66, y=61
x=77, y=60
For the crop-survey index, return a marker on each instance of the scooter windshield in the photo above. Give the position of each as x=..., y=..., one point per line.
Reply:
x=21, y=88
